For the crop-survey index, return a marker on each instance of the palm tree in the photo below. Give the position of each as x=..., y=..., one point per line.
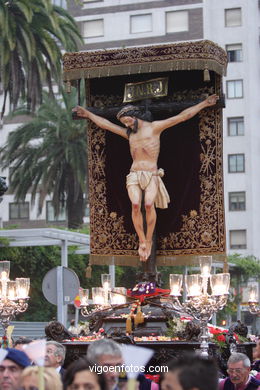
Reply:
x=32, y=33
x=48, y=155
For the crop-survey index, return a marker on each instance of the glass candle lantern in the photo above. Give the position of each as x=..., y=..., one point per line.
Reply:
x=106, y=281
x=11, y=290
x=205, y=265
x=4, y=270
x=175, y=284
x=194, y=284
x=118, y=296
x=220, y=283
x=253, y=295
x=22, y=287
x=83, y=296
x=98, y=295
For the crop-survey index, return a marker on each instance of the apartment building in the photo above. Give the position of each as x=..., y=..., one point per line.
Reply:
x=234, y=25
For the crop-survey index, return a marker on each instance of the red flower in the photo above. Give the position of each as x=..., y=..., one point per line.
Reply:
x=214, y=330
x=101, y=330
x=221, y=337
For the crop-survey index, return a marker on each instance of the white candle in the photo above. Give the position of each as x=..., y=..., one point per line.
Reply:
x=253, y=296
x=175, y=289
x=205, y=271
x=22, y=292
x=3, y=275
x=219, y=289
x=194, y=290
x=99, y=300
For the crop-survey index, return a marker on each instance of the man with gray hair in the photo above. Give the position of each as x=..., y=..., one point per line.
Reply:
x=107, y=357
x=106, y=353
x=55, y=356
x=239, y=367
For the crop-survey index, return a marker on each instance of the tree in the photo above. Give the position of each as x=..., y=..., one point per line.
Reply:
x=246, y=267
x=48, y=155
x=32, y=33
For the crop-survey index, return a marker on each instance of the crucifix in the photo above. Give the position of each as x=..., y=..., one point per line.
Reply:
x=144, y=181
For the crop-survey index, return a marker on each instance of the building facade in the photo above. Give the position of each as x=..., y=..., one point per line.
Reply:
x=234, y=25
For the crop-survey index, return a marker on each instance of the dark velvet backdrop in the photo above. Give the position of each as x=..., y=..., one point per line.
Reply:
x=190, y=154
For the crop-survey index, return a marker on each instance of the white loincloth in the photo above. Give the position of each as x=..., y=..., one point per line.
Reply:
x=143, y=178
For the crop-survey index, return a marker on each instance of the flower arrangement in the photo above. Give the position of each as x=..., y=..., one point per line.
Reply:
x=219, y=337
x=175, y=327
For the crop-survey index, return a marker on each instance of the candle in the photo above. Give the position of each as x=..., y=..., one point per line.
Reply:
x=175, y=284
x=194, y=290
x=4, y=275
x=253, y=296
x=84, y=301
x=219, y=289
x=22, y=292
x=99, y=300
x=175, y=289
x=205, y=270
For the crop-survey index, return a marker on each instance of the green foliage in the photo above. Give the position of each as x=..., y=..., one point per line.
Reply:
x=246, y=267
x=33, y=262
x=49, y=156
x=166, y=271
x=32, y=34
x=4, y=241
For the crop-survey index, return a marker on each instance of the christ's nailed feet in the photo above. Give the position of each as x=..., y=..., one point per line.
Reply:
x=142, y=251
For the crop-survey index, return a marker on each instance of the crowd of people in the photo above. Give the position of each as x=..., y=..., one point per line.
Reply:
x=190, y=372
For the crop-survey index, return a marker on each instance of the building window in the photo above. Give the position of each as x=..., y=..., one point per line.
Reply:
x=140, y=23
x=237, y=239
x=234, y=52
x=237, y=201
x=19, y=210
x=177, y=21
x=233, y=17
x=234, y=89
x=50, y=216
x=93, y=28
x=236, y=126
x=236, y=163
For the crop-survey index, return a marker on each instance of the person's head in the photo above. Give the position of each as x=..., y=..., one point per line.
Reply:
x=190, y=372
x=106, y=353
x=19, y=343
x=30, y=378
x=238, y=368
x=55, y=354
x=11, y=369
x=79, y=376
x=129, y=115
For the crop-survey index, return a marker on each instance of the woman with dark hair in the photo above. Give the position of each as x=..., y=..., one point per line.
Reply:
x=82, y=375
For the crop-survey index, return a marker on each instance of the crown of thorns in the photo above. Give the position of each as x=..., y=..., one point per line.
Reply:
x=129, y=111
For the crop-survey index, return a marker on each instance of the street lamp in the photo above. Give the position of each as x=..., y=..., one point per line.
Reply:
x=13, y=295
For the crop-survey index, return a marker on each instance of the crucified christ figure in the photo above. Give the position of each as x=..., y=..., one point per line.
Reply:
x=144, y=142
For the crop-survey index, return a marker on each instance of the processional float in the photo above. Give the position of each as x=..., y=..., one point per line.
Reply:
x=165, y=80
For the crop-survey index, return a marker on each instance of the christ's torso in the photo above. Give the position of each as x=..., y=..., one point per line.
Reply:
x=144, y=148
